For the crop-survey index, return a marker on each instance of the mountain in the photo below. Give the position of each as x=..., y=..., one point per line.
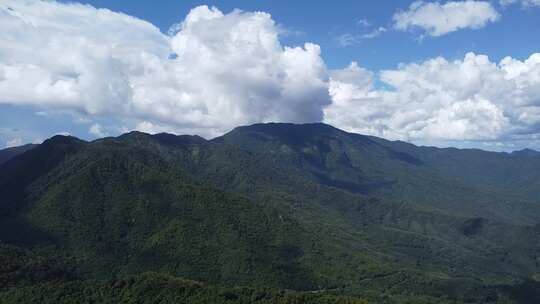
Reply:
x=9, y=153
x=446, y=179
x=264, y=210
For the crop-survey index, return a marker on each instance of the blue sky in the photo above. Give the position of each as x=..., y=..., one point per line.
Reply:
x=371, y=75
x=322, y=22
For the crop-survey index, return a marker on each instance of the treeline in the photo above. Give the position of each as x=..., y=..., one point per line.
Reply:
x=158, y=288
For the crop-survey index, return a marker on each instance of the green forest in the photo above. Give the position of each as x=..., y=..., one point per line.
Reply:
x=269, y=213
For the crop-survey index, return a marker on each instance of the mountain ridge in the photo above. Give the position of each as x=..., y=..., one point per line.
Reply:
x=524, y=151
x=305, y=207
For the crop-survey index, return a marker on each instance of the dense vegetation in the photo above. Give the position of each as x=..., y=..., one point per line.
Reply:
x=265, y=210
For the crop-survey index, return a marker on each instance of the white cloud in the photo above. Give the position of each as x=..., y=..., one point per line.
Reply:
x=524, y=3
x=348, y=39
x=363, y=23
x=151, y=128
x=216, y=71
x=14, y=142
x=72, y=56
x=468, y=99
x=374, y=33
x=97, y=130
x=437, y=19
x=63, y=133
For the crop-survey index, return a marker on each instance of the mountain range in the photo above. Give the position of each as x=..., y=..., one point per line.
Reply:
x=267, y=213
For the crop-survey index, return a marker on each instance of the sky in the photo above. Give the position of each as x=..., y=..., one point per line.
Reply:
x=464, y=74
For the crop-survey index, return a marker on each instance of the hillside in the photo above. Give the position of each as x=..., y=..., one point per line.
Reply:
x=269, y=207
x=9, y=153
x=446, y=179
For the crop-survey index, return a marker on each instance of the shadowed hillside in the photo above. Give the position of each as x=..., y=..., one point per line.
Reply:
x=9, y=153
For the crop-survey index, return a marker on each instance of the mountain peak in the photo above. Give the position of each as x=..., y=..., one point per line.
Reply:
x=172, y=139
x=290, y=133
x=134, y=134
x=63, y=139
x=279, y=126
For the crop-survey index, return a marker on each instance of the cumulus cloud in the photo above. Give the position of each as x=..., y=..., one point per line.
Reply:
x=213, y=72
x=468, y=99
x=72, y=56
x=437, y=19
